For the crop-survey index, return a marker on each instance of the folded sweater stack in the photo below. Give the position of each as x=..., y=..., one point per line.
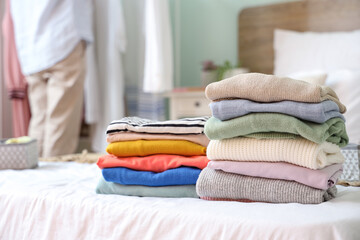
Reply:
x=153, y=159
x=272, y=140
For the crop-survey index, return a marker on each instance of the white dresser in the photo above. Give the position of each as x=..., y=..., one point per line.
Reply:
x=192, y=103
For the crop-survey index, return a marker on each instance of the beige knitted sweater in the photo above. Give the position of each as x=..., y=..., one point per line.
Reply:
x=297, y=151
x=269, y=88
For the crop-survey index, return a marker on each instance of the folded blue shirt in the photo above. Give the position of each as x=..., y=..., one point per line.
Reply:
x=176, y=176
x=314, y=112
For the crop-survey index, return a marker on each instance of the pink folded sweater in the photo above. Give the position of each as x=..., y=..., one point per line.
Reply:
x=322, y=179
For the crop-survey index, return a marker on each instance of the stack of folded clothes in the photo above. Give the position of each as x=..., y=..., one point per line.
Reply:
x=153, y=159
x=273, y=140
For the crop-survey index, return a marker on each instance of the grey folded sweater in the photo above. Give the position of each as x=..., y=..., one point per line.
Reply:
x=314, y=112
x=218, y=184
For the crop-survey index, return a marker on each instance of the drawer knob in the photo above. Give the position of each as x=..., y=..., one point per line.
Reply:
x=197, y=104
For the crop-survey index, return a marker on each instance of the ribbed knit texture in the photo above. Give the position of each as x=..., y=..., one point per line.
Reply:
x=150, y=147
x=296, y=151
x=314, y=112
x=219, y=184
x=269, y=88
x=181, y=191
x=333, y=130
x=272, y=135
x=227, y=199
x=131, y=136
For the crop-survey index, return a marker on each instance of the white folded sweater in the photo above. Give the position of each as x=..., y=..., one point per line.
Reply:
x=297, y=151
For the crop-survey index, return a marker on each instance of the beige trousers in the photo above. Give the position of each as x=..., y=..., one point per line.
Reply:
x=56, y=100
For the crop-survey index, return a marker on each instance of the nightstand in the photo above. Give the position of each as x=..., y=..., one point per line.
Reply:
x=186, y=102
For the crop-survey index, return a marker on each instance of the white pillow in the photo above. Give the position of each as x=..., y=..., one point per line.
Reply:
x=346, y=84
x=329, y=52
x=307, y=51
x=315, y=77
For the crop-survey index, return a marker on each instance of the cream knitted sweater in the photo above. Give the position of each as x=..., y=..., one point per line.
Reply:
x=297, y=151
x=269, y=88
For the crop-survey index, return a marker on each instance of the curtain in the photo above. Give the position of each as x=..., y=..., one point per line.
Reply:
x=109, y=44
x=158, y=72
x=15, y=81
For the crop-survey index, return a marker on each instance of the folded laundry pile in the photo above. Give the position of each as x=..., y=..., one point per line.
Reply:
x=152, y=158
x=273, y=139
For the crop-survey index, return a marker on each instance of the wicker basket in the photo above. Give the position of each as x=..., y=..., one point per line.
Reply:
x=351, y=166
x=18, y=155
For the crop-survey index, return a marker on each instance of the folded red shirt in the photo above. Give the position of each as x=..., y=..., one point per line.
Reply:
x=153, y=163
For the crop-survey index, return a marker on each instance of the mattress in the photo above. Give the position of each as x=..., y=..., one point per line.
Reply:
x=58, y=201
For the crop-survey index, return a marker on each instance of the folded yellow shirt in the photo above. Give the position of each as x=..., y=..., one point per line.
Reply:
x=149, y=147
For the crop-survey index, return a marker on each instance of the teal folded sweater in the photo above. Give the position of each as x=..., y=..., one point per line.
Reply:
x=333, y=130
x=179, y=191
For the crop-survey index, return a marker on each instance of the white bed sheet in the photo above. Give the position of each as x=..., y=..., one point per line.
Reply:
x=58, y=201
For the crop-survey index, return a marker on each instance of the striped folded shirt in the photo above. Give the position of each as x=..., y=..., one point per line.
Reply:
x=140, y=125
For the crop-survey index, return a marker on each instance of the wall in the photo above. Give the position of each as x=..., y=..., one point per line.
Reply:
x=205, y=30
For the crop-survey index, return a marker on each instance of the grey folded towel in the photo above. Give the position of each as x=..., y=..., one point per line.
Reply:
x=314, y=112
x=218, y=184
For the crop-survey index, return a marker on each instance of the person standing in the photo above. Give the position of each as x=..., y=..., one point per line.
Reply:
x=51, y=37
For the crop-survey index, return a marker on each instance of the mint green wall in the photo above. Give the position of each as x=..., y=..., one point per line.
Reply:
x=205, y=30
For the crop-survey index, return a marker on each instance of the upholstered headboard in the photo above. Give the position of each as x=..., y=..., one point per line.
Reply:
x=256, y=26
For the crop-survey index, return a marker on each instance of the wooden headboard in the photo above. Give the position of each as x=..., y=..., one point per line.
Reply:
x=256, y=26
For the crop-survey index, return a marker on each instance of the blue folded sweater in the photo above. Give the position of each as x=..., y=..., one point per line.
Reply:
x=314, y=112
x=176, y=176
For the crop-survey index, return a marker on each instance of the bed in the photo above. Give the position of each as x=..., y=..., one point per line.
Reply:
x=57, y=200
x=256, y=26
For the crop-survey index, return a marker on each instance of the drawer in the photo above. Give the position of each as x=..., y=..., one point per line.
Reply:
x=189, y=107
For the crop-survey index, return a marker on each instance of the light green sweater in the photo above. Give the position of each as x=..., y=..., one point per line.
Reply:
x=333, y=130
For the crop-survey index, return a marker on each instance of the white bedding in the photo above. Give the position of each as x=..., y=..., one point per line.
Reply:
x=58, y=201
